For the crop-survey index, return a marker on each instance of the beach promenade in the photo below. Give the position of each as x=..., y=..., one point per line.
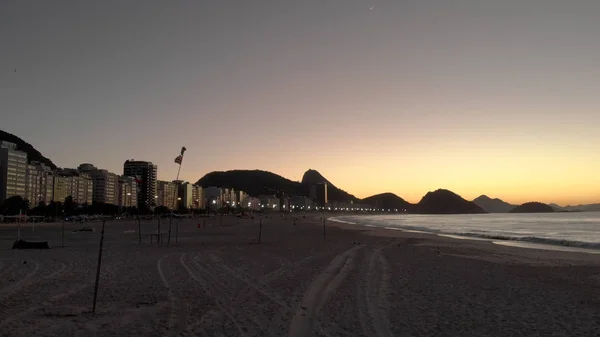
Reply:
x=355, y=281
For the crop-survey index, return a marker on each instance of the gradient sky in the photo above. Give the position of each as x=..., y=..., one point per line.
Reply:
x=494, y=97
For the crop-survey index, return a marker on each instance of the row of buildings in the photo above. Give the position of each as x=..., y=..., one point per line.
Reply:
x=137, y=186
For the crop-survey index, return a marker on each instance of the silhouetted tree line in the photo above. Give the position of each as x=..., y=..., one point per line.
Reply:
x=15, y=205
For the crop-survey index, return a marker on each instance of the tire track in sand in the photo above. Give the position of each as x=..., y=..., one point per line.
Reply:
x=218, y=294
x=373, y=296
x=319, y=291
x=170, y=296
x=25, y=281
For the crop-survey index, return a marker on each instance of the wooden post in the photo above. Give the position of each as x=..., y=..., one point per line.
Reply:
x=98, y=268
x=158, y=231
x=139, y=229
x=259, y=231
x=170, y=222
x=177, y=231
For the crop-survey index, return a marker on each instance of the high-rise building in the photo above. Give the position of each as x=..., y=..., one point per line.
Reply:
x=145, y=173
x=186, y=193
x=39, y=184
x=13, y=171
x=198, y=198
x=240, y=196
x=127, y=192
x=167, y=194
x=60, y=188
x=213, y=196
x=79, y=186
x=105, y=184
x=318, y=193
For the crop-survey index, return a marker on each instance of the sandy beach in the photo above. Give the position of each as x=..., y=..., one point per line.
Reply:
x=357, y=281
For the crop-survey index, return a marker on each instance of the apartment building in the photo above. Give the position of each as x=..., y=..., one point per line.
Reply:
x=166, y=194
x=60, y=192
x=127, y=192
x=105, y=184
x=13, y=171
x=198, y=197
x=39, y=184
x=240, y=196
x=318, y=193
x=78, y=185
x=269, y=201
x=251, y=203
x=186, y=191
x=145, y=173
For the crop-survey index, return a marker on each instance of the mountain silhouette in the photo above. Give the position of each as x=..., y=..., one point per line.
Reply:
x=257, y=182
x=493, y=205
x=446, y=202
x=533, y=207
x=32, y=153
x=388, y=201
x=313, y=177
x=253, y=182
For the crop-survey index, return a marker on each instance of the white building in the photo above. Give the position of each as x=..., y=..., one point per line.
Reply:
x=13, y=171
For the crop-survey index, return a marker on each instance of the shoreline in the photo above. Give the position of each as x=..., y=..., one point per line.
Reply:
x=516, y=243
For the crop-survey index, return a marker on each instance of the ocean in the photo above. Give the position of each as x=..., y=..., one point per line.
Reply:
x=576, y=230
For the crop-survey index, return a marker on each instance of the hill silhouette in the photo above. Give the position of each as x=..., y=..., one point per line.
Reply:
x=257, y=182
x=312, y=177
x=388, y=201
x=253, y=182
x=533, y=207
x=446, y=202
x=493, y=205
x=32, y=153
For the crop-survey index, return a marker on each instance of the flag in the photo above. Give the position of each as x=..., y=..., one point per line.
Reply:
x=179, y=159
x=183, y=150
x=138, y=179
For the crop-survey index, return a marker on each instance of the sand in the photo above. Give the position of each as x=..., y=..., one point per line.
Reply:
x=217, y=281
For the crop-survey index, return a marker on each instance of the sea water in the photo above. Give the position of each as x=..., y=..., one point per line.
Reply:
x=574, y=229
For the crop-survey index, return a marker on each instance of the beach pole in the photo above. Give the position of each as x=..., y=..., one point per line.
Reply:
x=176, y=231
x=139, y=229
x=98, y=268
x=62, y=236
x=19, y=226
x=324, y=232
x=158, y=231
x=259, y=231
x=170, y=222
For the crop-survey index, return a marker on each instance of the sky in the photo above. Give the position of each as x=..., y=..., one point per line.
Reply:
x=480, y=97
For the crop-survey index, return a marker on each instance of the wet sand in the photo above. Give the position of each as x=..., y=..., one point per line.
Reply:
x=357, y=281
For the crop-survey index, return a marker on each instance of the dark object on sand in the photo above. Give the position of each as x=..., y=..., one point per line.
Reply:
x=20, y=244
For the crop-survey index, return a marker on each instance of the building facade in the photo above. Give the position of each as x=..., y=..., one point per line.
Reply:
x=145, y=173
x=318, y=193
x=39, y=184
x=186, y=193
x=79, y=186
x=13, y=171
x=105, y=184
x=198, y=198
x=167, y=194
x=60, y=192
x=127, y=191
